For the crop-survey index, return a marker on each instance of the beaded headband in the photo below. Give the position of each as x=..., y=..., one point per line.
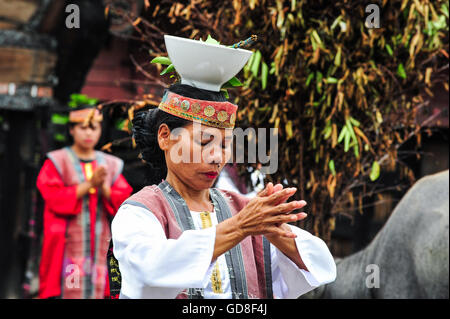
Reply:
x=215, y=114
x=85, y=115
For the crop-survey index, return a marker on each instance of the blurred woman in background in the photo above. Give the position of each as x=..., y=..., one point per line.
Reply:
x=82, y=189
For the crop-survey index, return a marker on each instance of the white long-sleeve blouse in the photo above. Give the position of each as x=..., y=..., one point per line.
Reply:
x=153, y=266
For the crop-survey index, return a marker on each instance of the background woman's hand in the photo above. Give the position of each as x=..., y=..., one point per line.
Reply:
x=99, y=176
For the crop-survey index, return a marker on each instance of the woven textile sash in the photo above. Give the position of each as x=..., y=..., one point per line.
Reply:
x=233, y=257
x=78, y=257
x=267, y=268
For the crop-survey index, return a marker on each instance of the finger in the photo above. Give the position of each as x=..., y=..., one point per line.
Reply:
x=282, y=200
x=287, y=192
x=281, y=232
x=277, y=188
x=282, y=219
x=290, y=218
x=264, y=192
x=287, y=207
x=269, y=189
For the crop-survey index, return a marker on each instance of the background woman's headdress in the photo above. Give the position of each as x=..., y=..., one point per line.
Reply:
x=83, y=109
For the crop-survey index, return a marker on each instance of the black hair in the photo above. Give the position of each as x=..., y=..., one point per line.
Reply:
x=146, y=125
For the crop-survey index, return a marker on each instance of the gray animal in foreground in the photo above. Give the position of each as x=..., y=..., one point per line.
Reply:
x=410, y=253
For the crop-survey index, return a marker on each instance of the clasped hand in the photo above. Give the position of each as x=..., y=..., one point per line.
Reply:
x=268, y=213
x=98, y=177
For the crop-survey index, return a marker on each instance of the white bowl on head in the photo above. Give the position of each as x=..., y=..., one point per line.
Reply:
x=205, y=65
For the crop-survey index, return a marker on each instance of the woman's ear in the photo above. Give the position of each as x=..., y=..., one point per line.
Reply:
x=71, y=130
x=163, y=137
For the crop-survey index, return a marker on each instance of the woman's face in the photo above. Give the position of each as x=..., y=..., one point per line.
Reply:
x=86, y=136
x=196, y=153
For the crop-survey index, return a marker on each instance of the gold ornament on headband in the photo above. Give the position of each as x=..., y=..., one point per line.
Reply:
x=85, y=116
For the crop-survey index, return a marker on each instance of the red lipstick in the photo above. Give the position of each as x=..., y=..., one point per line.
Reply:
x=211, y=175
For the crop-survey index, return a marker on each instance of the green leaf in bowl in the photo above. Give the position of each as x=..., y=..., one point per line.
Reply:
x=233, y=82
x=211, y=40
x=162, y=60
x=169, y=69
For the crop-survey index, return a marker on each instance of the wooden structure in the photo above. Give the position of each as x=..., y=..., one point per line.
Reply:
x=41, y=63
x=35, y=79
x=28, y=60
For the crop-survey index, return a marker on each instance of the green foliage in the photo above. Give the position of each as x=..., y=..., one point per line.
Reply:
x=251, y=70
x=59, y=119
x=169, y=69
x=162, y=60
x=59, y=137
x=344, y=96
x=211, y=40
x=401, y=71
x=332, y=168
x=335, y=76
x=81, y=99
x=375, y=171
x=120, y=124
x=234, y=82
